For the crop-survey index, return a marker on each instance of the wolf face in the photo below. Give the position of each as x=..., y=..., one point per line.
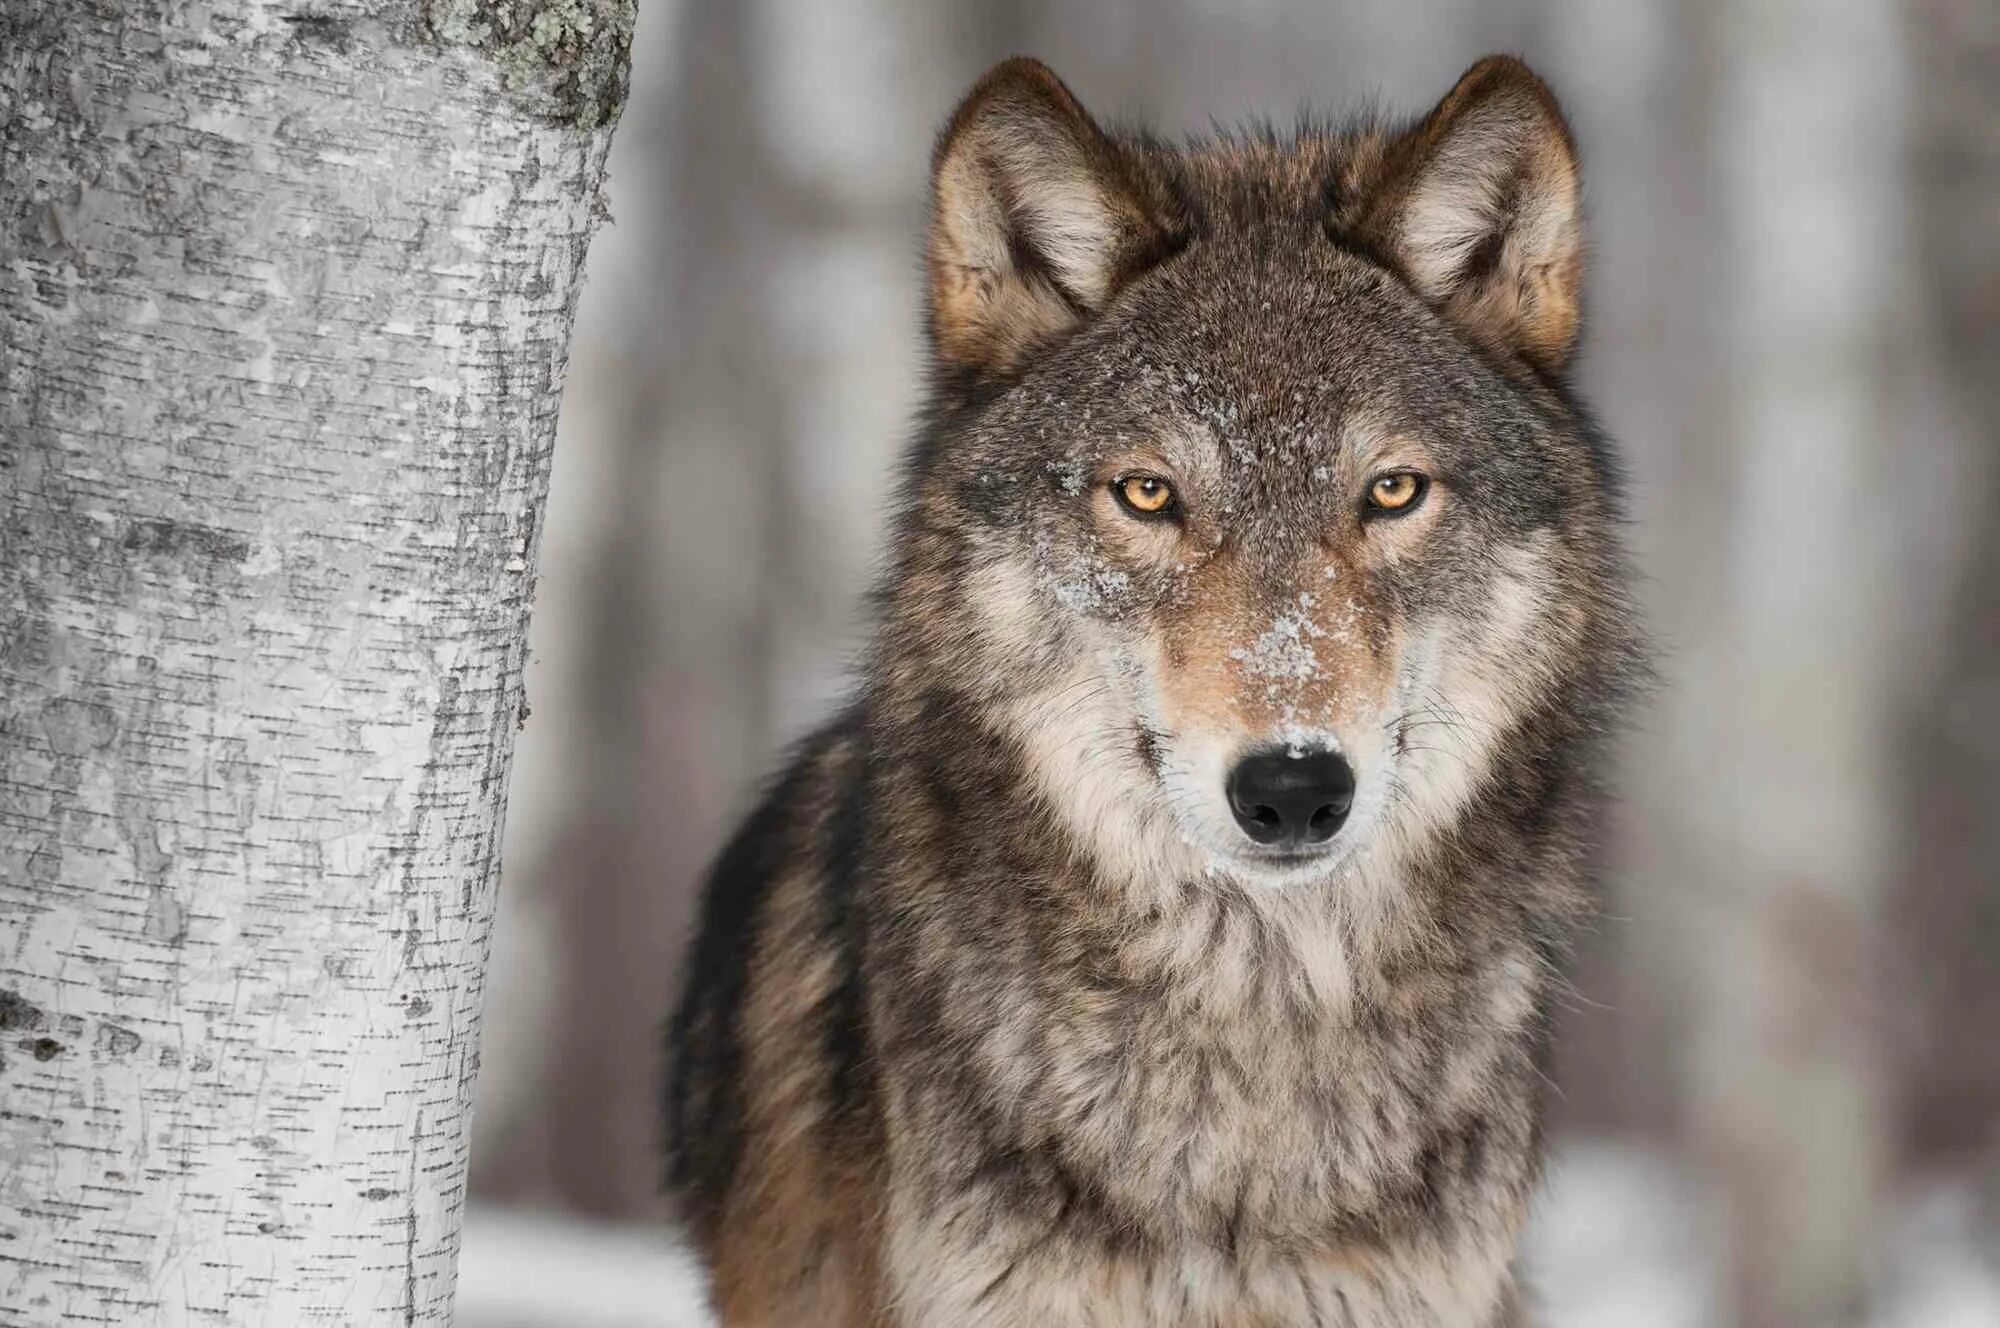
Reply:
x=1269, y=517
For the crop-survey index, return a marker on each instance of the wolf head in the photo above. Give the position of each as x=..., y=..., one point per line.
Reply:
x=1251, y=506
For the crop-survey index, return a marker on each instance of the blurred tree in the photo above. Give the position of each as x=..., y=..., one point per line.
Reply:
x=284, y=309
x=1820, y=648
x=1948, y=920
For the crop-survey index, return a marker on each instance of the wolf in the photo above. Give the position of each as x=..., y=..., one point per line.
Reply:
x=1167, y=931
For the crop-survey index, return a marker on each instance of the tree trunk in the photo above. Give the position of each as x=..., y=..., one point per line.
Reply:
x=285, y=293
x=1804, y=671
x=1948, y=911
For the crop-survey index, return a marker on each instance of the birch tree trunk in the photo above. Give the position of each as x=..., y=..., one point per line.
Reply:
x=285, y=292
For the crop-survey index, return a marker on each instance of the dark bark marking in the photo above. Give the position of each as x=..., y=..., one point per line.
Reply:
x=181, y=539
x=115, y=1041
x=17, y=1013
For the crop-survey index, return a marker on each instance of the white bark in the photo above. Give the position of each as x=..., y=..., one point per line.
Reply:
x=285, y=292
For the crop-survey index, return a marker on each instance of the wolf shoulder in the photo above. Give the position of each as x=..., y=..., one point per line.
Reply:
x=765, y=965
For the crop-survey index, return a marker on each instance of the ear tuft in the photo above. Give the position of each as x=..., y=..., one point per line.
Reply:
x=1037, y=219
x=1480, y=208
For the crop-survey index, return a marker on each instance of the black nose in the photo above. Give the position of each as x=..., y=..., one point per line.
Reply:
x=1288, y=797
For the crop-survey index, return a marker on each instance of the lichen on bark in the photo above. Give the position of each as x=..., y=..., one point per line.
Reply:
x=568, y=60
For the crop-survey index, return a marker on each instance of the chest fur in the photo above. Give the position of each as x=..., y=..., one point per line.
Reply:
x=1015, y=1274
x=1240, y=1079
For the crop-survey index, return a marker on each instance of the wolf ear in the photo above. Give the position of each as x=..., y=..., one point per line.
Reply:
x=1037, y=219
x=1479, y=208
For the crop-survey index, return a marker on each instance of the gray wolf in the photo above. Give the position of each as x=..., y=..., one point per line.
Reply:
x=1167, y=932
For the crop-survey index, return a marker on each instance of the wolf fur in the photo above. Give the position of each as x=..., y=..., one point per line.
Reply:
x=994, y=1016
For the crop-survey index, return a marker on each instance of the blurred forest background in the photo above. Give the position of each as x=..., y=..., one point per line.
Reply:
x=1780, y=1081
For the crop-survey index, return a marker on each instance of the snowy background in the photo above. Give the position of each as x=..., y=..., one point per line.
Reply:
x=1780, y=1085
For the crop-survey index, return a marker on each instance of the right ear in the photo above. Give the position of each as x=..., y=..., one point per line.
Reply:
x=1037, y=219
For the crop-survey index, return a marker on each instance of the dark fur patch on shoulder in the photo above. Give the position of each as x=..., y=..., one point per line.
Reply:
x=847, y=1049
x=704, y=1098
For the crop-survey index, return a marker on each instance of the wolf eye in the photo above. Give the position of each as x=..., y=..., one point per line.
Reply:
x=1398, y=492
x=1144, y=495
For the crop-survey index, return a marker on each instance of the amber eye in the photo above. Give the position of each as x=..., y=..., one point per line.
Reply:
x=1146, y=495
x=1399, y=491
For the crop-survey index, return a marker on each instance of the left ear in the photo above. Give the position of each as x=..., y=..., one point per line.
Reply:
x=1479, y=208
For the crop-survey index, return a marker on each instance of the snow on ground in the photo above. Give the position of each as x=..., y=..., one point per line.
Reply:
x=540, y=1270
x=1618, y=1241
x=1938, y=1275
